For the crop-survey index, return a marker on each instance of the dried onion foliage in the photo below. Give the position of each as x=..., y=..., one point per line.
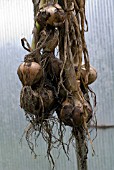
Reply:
x=56, y=91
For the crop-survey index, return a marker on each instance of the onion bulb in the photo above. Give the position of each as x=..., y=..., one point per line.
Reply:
x=29, y=73
x=92, y=74
x=51, y=14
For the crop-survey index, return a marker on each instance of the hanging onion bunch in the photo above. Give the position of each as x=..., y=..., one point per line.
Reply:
x=57, y=84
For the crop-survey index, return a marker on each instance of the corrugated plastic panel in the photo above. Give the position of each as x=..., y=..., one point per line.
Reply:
x=16, y=21
x=100, y=41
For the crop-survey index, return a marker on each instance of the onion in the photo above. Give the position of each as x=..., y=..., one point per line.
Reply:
x=35, y=103
x=66, y=113
x=52, y=14
x=29, y=73
x=78, y=114
x=30, y=101
x=92, y=74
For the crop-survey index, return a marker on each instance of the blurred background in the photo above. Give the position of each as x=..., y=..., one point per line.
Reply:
x=16, y=22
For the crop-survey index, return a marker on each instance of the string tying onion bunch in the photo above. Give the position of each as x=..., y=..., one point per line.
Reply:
x=56, y=89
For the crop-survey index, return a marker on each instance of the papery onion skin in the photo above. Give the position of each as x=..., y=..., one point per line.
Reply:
x=29, y=73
